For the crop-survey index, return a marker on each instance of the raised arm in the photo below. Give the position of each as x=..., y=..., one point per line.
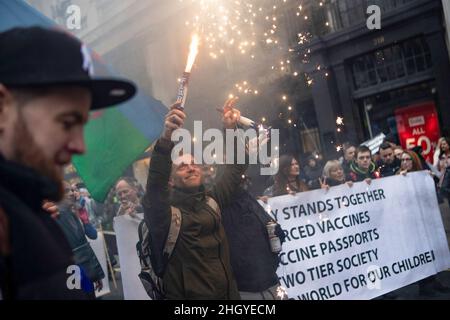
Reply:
x=155, y=203
x=224, y=189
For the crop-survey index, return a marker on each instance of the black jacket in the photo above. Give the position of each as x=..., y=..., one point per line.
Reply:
x=346, y=166
x=36, y=267
x=356, y=175
x=387, y=170
x=313, y=174
x=76, y=233
x=445, y=186
x=253, y=262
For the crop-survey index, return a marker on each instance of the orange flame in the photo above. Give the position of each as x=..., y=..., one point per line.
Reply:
x=193, y=51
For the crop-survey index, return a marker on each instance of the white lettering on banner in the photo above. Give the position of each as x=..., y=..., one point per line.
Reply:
x=360, y=242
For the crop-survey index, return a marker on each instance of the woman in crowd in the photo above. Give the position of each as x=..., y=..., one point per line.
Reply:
x=287, y=180
x=410, y=162
x=333, y=174
x=444, y=155
x=437, y=152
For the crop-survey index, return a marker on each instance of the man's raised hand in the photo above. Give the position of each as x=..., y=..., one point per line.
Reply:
x=174, y=120
x=231, y=114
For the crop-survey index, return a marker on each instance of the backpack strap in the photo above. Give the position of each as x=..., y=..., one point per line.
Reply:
x=213, y=204
x=174, y=231
x=175, y=226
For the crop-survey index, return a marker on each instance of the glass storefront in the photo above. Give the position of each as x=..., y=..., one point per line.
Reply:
x=407, y=116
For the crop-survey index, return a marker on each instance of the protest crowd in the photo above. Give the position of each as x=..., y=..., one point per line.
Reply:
x=202, y=234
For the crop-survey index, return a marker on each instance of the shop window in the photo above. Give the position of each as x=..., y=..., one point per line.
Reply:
x=310, y=139
x=420, y=63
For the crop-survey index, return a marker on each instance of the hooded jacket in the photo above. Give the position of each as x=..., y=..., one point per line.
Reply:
x=356, y=174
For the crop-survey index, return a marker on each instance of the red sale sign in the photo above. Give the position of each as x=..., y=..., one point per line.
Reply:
x=418, y=125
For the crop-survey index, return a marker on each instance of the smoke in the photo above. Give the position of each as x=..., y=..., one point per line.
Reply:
x=148, y=42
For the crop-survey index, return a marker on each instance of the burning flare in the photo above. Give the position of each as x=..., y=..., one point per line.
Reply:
x=183, y=87
x=193, y=51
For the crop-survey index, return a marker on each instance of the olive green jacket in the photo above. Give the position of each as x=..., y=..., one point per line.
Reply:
x=199, y=267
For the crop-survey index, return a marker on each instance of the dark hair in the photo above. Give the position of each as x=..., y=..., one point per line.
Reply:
x=281, y=178
x=361, y=149
x=441, y=153
x=447, y=139
x=347, y=145
x=311, y=157
x=385, y=145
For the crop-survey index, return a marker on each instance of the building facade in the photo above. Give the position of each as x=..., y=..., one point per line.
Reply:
x=392, y=81
x=368, y=77
x=148, y=42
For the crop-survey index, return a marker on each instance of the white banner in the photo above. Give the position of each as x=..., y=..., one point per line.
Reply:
x=98, y=245
x=126, y=229
x=360, y=242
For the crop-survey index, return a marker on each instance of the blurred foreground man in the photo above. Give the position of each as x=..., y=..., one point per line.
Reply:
x=46, y=91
